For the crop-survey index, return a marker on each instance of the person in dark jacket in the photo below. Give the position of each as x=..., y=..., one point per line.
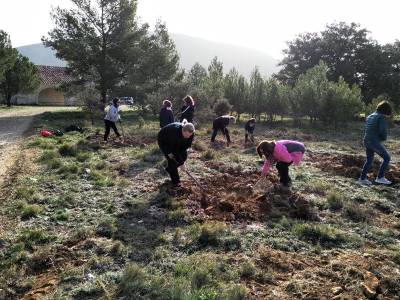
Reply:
x=376, y=127
x=174, y=140
x=187, y=111
x=221, y=123
x=166, y=115
x=249, y=127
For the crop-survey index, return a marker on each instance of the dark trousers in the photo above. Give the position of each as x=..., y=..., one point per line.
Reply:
x=224, y=131
x=246, y=137
x=283, y=170
x=110, y=125
x=172, y=170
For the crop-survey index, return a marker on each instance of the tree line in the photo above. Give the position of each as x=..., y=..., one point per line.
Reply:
x=330, y=76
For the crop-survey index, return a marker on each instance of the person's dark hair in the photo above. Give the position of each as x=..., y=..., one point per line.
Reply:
x=115, y=101
x=384, y=107
x=266, y=148
x=167, y=103
x=252, y=120
x=189, y=100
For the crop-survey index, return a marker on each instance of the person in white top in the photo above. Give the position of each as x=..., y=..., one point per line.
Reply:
x=111, y=118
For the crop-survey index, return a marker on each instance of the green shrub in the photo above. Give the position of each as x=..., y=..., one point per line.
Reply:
x=100, y=165
x=236, y=292
x=61, y=215
x=356, y=213
x=247, y=270
x=211, y=234
x=99, y=179
x=176, y=216
x=324, y=234
x=208, y=155
x=30, y=211
x=71, y=168
x=83, y=156
x=396, y=257
x=68, y=150
x=335, y=200
x=88, y=290
x=47, y=156
x=133, y=282
x=31, y=237
x=106, y=228
x=40, y=260
x=54, y=163
x=24, y=193
x=200, y=278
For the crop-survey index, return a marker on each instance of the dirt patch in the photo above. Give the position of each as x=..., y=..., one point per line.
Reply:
x=348, y=165
x=232, y=196
x=41, y=287
x=338, y=275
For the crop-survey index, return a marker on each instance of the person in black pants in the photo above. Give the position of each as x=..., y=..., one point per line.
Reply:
x=111, y=118
x=187, y=111
x=166, y=115
x=174, y=140
x=249, y=127
x=221, y=123
x=283, y=171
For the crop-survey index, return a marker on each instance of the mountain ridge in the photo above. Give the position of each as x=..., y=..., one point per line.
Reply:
x=190, y=49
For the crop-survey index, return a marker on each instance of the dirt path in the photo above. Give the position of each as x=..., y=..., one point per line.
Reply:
x=15, y=125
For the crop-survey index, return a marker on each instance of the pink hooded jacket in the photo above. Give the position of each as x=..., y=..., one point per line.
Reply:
x=285, y=151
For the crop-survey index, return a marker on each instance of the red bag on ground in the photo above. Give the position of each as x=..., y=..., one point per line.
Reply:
x=45, y=133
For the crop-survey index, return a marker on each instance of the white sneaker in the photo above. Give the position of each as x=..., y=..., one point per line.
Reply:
x=364, y=181
x=383, y=180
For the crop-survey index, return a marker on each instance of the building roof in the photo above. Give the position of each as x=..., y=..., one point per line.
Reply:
x=52, y=76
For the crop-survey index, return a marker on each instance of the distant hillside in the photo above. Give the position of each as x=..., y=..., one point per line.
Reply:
x=40, y=55
x=190, y=49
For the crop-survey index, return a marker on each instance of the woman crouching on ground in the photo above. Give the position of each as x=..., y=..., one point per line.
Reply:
x=174, y=139
x=284, y=153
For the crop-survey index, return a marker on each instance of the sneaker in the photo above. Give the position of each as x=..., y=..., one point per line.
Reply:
x=383, y=180
x=364, y=181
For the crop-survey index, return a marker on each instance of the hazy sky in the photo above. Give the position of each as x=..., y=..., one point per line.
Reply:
x=260, y=24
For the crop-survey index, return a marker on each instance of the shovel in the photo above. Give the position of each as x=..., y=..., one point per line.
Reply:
x=195, y=180
x=204, y=200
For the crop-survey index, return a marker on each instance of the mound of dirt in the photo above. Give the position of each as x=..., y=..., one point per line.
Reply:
x=231, y=196
x=348, y=165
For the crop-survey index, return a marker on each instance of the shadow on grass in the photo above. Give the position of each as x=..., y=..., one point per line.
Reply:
x=142, y=225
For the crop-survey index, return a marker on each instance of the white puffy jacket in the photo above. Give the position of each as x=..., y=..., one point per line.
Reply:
x=112, y=114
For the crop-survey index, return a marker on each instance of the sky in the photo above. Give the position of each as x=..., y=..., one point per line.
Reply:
x=260, y=24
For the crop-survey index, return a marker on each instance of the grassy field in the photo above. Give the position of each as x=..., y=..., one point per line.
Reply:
x=84, y=220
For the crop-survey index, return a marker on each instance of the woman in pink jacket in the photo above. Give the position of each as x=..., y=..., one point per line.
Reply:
x=284, y=153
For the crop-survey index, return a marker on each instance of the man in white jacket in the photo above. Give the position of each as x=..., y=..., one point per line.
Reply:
x=111, y=118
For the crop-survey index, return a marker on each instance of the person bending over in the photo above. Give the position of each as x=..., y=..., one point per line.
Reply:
x=174, y=140
x=221, y=124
